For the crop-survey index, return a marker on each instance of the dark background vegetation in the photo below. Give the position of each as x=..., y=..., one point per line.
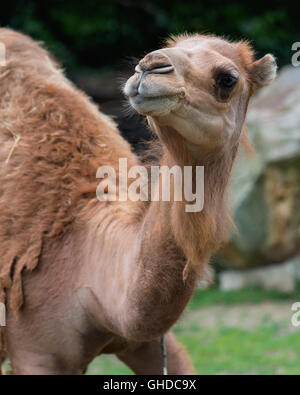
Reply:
x=90, y=34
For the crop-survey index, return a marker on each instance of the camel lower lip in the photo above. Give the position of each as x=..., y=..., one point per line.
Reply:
x=140, y=100
x=153, y=104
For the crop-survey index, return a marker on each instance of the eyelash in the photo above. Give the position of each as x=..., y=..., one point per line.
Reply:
x=227, y=81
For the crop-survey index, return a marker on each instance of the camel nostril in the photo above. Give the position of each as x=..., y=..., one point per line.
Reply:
x=162, y=69
x=155, y=68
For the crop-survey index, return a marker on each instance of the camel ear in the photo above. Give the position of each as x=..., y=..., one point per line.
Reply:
x=263, y=71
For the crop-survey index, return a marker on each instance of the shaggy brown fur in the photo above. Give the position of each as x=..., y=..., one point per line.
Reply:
x=63, y=139
x=60, y=148
x=79, y=276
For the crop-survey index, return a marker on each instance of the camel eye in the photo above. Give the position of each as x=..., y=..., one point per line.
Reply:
x=227, y=81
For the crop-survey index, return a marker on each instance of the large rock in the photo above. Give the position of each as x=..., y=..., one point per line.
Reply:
x=265, y=189
x=281, y=278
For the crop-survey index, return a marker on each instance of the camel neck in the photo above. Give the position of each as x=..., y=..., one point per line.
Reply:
x=170, y=238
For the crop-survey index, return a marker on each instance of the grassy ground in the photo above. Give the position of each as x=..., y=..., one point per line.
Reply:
x=236, y=332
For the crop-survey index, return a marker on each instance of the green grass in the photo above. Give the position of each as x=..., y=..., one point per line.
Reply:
x=268, y=348
x=213, y=296
x=236, y=351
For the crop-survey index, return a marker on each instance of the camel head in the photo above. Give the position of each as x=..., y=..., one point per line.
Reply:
x=199, y=86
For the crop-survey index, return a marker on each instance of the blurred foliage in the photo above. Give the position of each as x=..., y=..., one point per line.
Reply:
x=101, y=34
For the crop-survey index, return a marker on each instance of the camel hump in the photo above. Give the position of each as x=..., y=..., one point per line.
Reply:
x=15, y=40
x=20, y=51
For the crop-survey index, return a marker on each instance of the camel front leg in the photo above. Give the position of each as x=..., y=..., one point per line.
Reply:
x=147, y=358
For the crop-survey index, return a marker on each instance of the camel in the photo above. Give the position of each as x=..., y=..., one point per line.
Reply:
x=80, y=277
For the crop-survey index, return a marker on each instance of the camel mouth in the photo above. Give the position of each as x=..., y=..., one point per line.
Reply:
x=154, y=91
x=154, y=105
